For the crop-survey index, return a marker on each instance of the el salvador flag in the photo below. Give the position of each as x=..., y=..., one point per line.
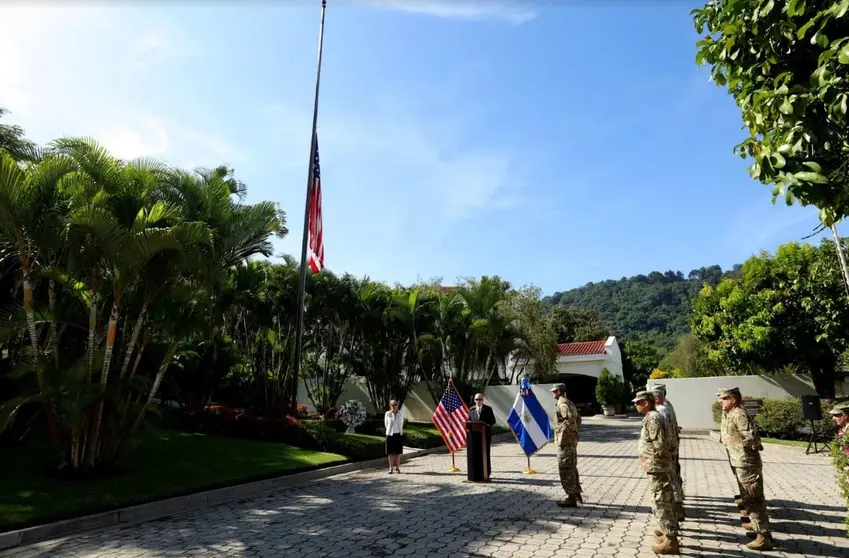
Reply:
x=529, y=421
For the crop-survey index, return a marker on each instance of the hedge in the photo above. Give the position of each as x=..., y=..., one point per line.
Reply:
x=782, y=419
x=357, y=447
x=369, y=441
x=840, y=456
x=314, y=435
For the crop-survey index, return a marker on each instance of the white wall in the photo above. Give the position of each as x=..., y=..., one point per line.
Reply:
x=693, y=397
x=584, y=368
x=420, y=406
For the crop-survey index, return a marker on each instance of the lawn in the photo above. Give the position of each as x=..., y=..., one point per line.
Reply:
x=164, y=464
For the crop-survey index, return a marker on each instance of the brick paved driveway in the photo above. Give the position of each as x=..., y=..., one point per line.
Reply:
x=427, y=511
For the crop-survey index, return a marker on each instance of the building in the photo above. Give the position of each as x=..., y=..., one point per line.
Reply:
x=588, y=358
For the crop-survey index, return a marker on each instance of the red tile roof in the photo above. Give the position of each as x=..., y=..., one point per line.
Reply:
x=581, y=348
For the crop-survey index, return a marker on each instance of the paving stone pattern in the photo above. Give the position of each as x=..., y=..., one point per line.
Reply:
x=427, y=511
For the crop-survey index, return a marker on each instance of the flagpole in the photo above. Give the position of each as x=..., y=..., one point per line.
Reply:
x=529, y=471
x=453, y=468
x=299, y=326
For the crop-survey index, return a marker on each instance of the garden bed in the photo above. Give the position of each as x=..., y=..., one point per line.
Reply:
x=166, y=463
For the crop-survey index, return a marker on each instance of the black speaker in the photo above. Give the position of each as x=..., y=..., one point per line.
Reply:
x=811, y=409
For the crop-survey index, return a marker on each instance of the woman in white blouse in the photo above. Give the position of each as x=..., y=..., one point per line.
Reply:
x=394, y=421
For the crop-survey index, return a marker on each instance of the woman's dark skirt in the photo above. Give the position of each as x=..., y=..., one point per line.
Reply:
x=394, y=444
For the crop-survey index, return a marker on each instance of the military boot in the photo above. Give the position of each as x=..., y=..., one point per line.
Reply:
x=763, y=541
x=739, y=501
x=748, y=525
x=570, y=502
x=580, y=498
x=744, y=513
x=668, y=545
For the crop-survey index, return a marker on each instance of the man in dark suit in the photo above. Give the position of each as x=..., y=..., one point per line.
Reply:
x=484, y=414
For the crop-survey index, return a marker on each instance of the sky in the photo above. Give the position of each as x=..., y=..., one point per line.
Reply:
x=551, y=143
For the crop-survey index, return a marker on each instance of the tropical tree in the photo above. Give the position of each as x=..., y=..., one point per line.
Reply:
x=787, y=66
x=787, y=310
x=124, y=254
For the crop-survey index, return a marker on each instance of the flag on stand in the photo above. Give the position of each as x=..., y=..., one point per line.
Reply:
x=316, y=236
x=450, y=419
x=529, y=421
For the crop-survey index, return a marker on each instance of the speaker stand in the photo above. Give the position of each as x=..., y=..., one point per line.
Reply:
x=813, y=442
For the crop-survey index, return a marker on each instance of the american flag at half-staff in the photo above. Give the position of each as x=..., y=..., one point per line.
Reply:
x=316, y=229
x=450, y=419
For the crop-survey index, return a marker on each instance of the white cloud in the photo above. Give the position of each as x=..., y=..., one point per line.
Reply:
x=513, y=11
x=76, y=72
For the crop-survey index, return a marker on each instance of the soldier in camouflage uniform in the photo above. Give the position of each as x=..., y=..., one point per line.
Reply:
x=657, y=459
x=664, y=407
x=740, y=435
x=567, y=424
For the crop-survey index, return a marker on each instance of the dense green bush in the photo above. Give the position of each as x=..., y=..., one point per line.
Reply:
x=782, y=419
x=356, y=447
x=608, y=390
x=840, y=456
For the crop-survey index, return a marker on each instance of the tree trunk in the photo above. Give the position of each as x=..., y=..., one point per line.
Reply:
x=93, y=448
x=823, y=380
x=33, y=333
x=841, y=257
x=51, y=300
x=52, y=425
x=133, y=340
x=92, y=329
x=169, y=355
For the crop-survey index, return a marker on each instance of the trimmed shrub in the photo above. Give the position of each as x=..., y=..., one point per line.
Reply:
x=225, y=421
x=422, y=438
x=782, y=419
x=608, y=389
x=356, y=447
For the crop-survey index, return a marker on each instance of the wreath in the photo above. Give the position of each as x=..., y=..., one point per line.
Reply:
x=352, y=414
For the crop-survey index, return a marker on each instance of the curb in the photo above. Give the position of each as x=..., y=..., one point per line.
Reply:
x=182, y=504
x=714, y=435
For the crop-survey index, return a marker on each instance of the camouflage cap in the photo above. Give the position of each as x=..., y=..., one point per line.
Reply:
x=728, y=392
x=659, y=388
x=840, y=409
x=643, y=396
x=559, y=387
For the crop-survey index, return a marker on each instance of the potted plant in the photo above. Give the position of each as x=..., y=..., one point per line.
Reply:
x=608, y=391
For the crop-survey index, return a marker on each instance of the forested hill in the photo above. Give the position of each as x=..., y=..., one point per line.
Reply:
x=654, y=308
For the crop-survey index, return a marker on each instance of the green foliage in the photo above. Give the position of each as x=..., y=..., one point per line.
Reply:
x=653, y=309
x=357, y=447
x=782, y=419
x=787, y=310
x=642, y=358
x=608, y=390
x=840, y=458
x=539, y=332
x=12, y=140
x=690, y=359
x=578, y=324
x=787, y=66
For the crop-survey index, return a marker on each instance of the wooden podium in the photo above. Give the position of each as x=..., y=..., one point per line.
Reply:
x=476, y=450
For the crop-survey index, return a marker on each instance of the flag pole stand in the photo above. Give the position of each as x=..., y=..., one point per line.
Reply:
x=529, y=471
x=453, y=468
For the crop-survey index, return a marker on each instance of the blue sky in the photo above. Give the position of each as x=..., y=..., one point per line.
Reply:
x=552, y=143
